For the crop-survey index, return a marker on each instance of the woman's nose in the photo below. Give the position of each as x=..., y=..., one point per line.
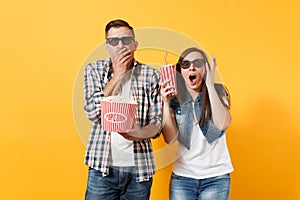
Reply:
x=192, y=67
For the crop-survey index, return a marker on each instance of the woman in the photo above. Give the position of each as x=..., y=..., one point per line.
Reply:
x=197, y=117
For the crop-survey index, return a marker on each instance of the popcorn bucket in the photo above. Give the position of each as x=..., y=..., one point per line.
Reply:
x=168, y=73
x=117, y=116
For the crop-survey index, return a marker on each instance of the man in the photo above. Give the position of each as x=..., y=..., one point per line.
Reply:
x=121, y=165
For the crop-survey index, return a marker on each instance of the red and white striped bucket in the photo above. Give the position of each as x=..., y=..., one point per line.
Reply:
x=168, y=73
x=117, y=116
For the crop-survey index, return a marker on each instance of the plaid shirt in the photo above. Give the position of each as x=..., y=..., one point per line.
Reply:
x=145, y=88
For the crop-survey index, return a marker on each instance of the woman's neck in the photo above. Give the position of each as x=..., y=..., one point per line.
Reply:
x=193, y=93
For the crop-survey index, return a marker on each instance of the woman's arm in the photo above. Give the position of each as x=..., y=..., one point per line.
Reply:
x=220, y=113
x=169, y=126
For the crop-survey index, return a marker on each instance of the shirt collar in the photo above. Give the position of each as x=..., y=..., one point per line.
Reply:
x=199, y=97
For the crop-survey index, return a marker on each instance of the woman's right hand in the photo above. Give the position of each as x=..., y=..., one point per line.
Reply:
x=166, y=91
x=169, y=128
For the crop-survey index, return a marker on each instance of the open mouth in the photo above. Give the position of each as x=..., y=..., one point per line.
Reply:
x=192, y=78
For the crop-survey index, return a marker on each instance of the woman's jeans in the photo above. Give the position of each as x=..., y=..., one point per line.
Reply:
x=184, y=188
x=119, y=184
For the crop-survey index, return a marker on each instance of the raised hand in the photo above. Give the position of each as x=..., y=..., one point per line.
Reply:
x=166, y=91
x=210, y=72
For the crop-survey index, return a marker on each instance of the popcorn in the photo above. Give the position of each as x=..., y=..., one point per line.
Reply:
x=117, y=113
x=118, y=99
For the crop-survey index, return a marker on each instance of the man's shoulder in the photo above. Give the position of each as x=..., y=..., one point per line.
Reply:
x=98, y=64
x=146, y=67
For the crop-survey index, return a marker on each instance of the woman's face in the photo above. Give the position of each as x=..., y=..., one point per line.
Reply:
x=192, y=75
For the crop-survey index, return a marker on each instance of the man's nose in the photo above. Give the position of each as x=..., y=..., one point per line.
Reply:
x=120, y=44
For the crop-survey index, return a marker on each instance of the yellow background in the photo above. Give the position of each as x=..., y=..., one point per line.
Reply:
x=43, y=44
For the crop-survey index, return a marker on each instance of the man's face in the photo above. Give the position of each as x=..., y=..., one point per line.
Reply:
x=125, y=34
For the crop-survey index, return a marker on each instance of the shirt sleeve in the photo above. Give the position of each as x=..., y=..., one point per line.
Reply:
x=155, y=114
x=92, y=94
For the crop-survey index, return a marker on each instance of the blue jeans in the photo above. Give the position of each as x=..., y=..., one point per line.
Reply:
x=184, y=188
x=119, y=184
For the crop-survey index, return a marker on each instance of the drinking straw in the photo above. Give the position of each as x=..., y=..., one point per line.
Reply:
x=166, y=55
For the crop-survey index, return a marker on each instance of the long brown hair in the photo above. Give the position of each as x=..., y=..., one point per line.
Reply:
x=206, y=108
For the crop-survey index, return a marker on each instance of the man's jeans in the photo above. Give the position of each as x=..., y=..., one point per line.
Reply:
x=119, y=184
x=184, y=188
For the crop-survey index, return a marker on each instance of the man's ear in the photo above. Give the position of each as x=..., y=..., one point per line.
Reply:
x=136, y=44
x=106, y=48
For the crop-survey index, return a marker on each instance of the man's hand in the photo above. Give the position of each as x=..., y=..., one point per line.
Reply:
x=141, y=133
x=121, y=61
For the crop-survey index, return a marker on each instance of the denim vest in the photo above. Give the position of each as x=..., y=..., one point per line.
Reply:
x=182, y=104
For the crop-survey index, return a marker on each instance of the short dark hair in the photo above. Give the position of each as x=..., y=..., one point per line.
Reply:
x=117, y=23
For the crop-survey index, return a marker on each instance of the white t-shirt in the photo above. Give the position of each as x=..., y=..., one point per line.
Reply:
x=121, y=151
x=122, y=148
x=203, y=160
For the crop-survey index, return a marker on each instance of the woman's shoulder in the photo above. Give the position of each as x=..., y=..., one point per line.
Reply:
x=223, y=94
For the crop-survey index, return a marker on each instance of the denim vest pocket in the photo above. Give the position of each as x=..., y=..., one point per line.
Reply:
x=184, y=119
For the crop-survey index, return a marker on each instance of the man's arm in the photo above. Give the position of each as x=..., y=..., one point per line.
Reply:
x=155, y=114
x=92, y=94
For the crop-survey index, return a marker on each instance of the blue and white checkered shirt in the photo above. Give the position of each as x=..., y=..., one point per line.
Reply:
x=145, y=87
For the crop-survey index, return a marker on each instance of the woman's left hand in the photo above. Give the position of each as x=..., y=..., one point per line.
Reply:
x=210, y=72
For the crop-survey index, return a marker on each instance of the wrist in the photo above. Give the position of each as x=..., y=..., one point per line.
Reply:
x=166, y=102
x=117, y=77
x=210, y=86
